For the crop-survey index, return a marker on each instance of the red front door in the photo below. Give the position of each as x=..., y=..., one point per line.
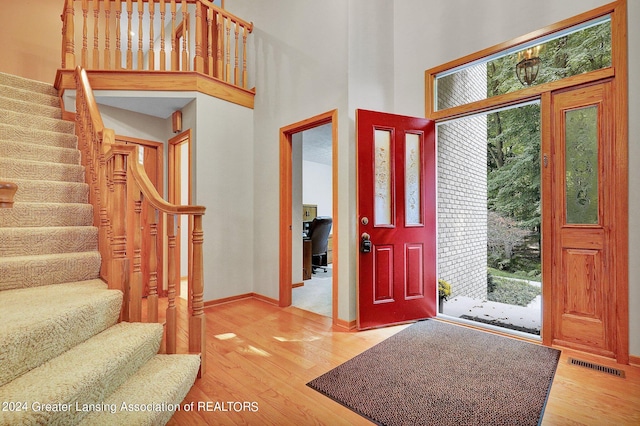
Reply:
x=397, y=216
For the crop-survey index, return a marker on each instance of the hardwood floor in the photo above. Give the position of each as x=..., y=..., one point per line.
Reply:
x=260, y=357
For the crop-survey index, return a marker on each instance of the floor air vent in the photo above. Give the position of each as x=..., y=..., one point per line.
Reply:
x=597, y=367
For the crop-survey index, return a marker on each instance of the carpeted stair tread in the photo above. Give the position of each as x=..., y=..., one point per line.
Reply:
x=49, y=191
x=46, y=214
x=48, y=269
x=164, y=379
x=46, y=240
x=85, y=374
x=36, y=122
x=27, y=107
x=38, y=152
x=27, y=84
x=29, y=96
x=59, y=317
x=37, y=136
x=37, y=170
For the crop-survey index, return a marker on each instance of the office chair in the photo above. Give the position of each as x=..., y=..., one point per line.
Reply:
x=319, y=235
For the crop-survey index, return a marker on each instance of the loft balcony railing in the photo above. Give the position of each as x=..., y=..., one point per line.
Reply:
x=155, y=35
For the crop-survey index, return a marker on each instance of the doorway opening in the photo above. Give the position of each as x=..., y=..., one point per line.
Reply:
x=489, y=210
x=308, y=196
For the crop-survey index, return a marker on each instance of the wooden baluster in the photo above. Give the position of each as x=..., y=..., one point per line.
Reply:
x=152, y=297
x=227, y=26
x=69, y=58
x=236, y=69
x=199, y=59
x=129, y=31
x=219, y=65
x=210, y=69
x=119, y=274
x=107, y=35
x=175, y=58
x=197, y=322
x=151, y=54
x=185, y=36
x=171, y=327
x=140, y=34
x=135, y=308
x=96, y=20
x=163, y=54
x=84, y=56
x=118, y=59
x=244, y=57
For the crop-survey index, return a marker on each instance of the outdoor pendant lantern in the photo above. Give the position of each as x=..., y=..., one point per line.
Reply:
x=528, y=66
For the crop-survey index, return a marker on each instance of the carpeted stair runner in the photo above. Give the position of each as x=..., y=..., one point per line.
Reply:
x=60, y=340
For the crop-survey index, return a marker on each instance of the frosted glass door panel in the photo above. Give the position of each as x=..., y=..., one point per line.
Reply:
x=412, y=173
x=383, y=195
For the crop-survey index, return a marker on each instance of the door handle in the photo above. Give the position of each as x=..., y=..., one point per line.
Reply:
x=365, y=243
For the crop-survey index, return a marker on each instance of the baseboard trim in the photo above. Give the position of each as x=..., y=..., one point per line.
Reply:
x=634, y=360
x=344, y=325
x=230, y=299
x=296, y=285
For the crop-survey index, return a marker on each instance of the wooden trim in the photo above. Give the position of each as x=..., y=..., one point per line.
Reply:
x=286, y=134
x=184, y=81
x=296, y=285
x=430, y=74
x=339, y=324
x=620, y=225
x=634, y=360
x=547, y=218
x=252, y=295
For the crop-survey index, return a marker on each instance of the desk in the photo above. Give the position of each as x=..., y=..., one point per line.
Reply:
x=306, y=259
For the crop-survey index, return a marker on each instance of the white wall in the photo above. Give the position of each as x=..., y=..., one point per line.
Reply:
x=223, y=172
x=317, y=187
x=299, y=53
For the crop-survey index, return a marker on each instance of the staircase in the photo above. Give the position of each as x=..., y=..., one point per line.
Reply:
x=64, y=358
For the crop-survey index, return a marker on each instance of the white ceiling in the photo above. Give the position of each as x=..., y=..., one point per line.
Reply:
x=316, y=144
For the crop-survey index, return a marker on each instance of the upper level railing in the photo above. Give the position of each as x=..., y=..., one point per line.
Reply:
x=150, y=35
x=118, y=187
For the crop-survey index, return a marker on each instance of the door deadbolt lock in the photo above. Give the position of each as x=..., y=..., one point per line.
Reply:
x=365, y=243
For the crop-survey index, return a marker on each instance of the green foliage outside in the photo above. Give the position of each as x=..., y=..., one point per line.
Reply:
x=512, y=291
x=513, y=147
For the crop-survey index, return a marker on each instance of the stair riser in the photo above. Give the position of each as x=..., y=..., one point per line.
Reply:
x=85, y=374
x=36, y=122
x=29, y=96
x=31, y=108
x=38, y=241
x=33, y=152
x=30, y=191
x=32, y=170
x=36, y=136
x=81, y=311
x=27, y=84
x=36, y=271
x=26, y=214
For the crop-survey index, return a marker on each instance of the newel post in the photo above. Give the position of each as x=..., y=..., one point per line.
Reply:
x=197, y=322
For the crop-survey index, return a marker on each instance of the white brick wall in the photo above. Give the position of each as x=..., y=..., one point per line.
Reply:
x=462, y=190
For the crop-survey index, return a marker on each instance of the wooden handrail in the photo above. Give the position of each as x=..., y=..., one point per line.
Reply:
x=7, y=192
x=217, y=37
x=118, y=189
